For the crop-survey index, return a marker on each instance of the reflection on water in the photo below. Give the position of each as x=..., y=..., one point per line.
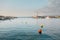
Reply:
x=27, y=29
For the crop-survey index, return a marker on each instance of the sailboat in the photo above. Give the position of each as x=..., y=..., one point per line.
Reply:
x=35, y=16
x=39, y=30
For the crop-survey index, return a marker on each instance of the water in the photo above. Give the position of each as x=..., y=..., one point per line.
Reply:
x=27, y=29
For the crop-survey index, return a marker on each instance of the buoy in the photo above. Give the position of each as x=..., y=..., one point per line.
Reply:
x=40, y=31
x=42, y=25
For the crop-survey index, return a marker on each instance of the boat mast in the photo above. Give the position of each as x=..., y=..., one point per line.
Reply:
x=37, y=17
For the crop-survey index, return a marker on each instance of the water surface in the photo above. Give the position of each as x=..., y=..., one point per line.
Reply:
x=27, y=29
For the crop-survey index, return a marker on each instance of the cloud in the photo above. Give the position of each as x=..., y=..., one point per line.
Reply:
x=53, y=8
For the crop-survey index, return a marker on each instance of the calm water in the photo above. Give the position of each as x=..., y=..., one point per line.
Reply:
x=27, y=29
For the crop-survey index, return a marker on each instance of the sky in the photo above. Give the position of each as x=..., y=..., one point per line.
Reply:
x=53, y=8
x=29, y=7
x=21, y=7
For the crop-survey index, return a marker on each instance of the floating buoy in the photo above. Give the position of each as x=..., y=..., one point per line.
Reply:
x=40, y=31
x=42, y=25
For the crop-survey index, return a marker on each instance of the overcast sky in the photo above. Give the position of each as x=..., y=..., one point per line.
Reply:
x=29, y=7
x=52, y=9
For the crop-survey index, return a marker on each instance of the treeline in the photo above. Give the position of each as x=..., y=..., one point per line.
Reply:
x=6, y=17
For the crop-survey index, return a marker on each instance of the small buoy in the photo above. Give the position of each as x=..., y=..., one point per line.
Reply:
x=40, y=31
x=42, y=25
